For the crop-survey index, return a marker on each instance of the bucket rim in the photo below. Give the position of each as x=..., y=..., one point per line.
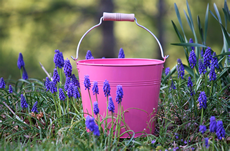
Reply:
x=148, y=62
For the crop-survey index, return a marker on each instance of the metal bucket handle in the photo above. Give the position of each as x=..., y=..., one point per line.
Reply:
x=118, y=17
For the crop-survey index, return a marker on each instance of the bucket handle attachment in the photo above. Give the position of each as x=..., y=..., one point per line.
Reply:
x=118, y=17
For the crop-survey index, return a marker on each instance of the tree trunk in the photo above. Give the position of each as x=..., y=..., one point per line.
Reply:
x=108, y=39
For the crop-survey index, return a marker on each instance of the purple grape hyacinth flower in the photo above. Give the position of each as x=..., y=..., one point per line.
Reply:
x=20, y=62
x=172, y=86
x=75, y=80
x=95, y=108
x=212, y=126
x=34, y=109
x=176, y=135
x=190, y=84
x=24, y=74
x=87, y=82
x=70, y=90
x=214, y=60
x=220, y=132
x=202, y=100
x=23, y=102
x=2, y=83
x=206, y=142
x=202, y=53
x=212, y=74
x=67, y=68
x=53, y=87
x=76, y=93
x=180, y=69
x=120, y=94
x=56, y=77
x=61, y=94
x=10, y=89
x=121, y=53
x=106, y=88
x=96, y=131
x=47, y=84
x=202, y=68
x=167, y=70
x=111, y=106
x=192, y=59
x=174, y=149
x=153, y=141
x=202, y=129
x=89, y=123
x=191, y=41
x=58, y=59
x=89, y=55
x=95, y=88
x=67, y=82
x=207, y=57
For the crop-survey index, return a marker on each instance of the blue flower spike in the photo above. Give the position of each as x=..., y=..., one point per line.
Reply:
x=95, y=108
x=87, y=82
x=58, y=59
x=106, y=88
x=95, y=88
x=34, y=109
x=20, y=62
x=121, y=53
x=67, y=68
x=119, y=93
x=2, y=83
x=180, y=69
x=111, y=106
x=23, y=102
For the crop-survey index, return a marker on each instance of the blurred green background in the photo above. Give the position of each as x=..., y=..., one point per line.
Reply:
x=37, y=28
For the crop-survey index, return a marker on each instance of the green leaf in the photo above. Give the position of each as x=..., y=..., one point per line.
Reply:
x=177, y=32
x=206, y=24
x=226, y=70
x=200, y=28
x=226, y=35
x=213, y=14
x=189, y=70
x=178, y=17
x=189, y=12
x=188, y=20
x=189, y=44
x=217, y=13
x=224, y=54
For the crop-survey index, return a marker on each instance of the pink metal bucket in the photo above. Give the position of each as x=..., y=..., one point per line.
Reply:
x=140, y=80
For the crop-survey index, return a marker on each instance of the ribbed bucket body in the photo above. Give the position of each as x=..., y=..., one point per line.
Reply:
x=140, y=80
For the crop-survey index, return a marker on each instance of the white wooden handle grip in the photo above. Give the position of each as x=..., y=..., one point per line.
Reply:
x=118, y=17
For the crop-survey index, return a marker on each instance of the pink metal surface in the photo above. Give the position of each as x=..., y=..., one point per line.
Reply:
x=140, y=80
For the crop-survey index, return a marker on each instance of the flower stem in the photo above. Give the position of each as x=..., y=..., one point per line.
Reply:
x=119, y=122
x=211, y=88
x=21, y=72
x=55, y=104
x=213, y=142
x=59, y=103
x=194, y=75
x=90, y=102
x=202, y=112
x=75, y=107
x=106, y=113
